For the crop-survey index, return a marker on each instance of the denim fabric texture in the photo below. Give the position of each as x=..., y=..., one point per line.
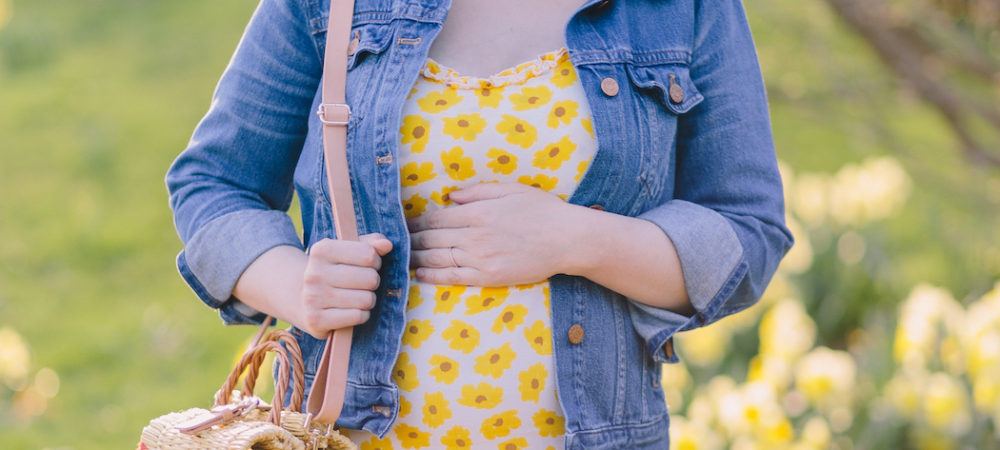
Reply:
x=701, y=167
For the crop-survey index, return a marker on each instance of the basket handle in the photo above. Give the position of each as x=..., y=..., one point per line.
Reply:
x=288, y=355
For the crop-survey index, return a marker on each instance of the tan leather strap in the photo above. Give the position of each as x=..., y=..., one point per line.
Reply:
x=326, y=398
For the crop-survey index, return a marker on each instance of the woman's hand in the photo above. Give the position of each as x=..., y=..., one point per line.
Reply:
x=339, y=283
x=496, y=235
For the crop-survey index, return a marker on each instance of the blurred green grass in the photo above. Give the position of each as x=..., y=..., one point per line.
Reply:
x=98, y=97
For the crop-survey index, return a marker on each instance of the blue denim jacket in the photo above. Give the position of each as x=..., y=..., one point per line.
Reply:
x=696, y=159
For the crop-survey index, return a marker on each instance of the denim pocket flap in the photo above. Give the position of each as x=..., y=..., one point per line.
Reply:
x=669, y=83
x=366, y=40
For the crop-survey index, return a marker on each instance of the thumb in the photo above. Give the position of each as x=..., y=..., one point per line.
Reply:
x=484, y=191
x=378, y=241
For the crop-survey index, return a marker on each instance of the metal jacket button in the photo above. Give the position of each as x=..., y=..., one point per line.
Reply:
x=575, y=334
x=609, y=86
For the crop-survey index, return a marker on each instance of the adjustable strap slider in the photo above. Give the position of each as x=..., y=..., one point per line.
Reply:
x=334, y=113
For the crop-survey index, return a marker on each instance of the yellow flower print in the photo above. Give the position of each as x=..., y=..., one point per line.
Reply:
x=564, y=74
x=405, y=374
x=414, y=173
x=415, y=129
x=482, y=396
x=513, y=444
x=531, y=98
x=435, y=102
x=518, y=132
x=539, y=338
x=510, y=318
x=377, y=444
x=447, y=297
x=588, y=125
x=581, y=169
x=417, y=331
x=555, y=154
x=489, y=97
x=461, y=336
x=457, y=438
x=414, y=206
x=563, y=112
x=410, y=95
x=500, y=425
x=436, y=409
x=441, y=197
x=540, y=181
x=487, y=299
x=404, y=406
x=495, y=361
x=532, y=382
x=549, y=423
x=412, y=437
x=464, y=126
x=501, y=161
x=456, y=164
x=445, y=369
x=414, y=299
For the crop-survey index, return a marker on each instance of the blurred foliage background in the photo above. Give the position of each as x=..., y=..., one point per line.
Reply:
x=881, y=329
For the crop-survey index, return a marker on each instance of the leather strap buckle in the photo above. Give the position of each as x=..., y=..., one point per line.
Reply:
x=334, y=113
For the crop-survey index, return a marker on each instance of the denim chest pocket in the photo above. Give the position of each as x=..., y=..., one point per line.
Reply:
x=669, y=83
x=367, y=39
x=664, y=93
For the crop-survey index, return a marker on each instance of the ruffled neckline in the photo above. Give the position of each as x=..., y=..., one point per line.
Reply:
x=518, y=74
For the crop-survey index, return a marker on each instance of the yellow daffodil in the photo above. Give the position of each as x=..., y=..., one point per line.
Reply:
x=458, y=166
x=482, y=396
x=435, y=410
x=826, y=376
x=555, y=154
x=532, y=382
x=412, y=437
x=444, y=369
x=531, y=98
x=518, y=132
x=414, y=206
x=946, y=404
x=489, y=97
x=562, y=112
x=441, y=197
x=540, y=181
x=588, y=124
x=404, y=373
x=457, y=438
x=500, y=425
x=416, y=332
x=377, y=444
x=464, y=126
x=461, y=336
x=513, y=444
x=549, y=423
x=446, y=297
x=564, y=74
x=501, y=161
x=495, y=361
x=413, y=299
x=414, y=173
x=435, y=102
x=539, y=337
x=487, y=299
x=509, y=318
x=415, y=130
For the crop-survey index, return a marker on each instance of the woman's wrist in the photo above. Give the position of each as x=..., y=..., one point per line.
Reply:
x=272, y=283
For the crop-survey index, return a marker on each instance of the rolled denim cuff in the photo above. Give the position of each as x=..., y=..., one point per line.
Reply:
x=710, y=254
x=216, y=256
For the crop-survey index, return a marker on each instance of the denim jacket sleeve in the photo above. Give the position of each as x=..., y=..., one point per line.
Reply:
x=727, y=218
x=230, y=189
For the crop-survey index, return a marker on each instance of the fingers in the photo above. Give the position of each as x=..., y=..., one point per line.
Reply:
x=437, y=258
x=486, y=191
x=355, y=253
x=467, y=276
x=320, y=323
x=379, y=242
